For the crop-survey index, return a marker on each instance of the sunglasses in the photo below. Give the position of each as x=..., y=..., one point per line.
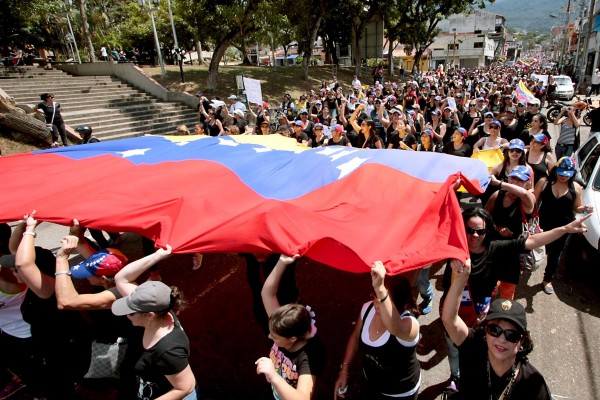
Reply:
x=515, y=151
x=520, y=105
x=471, y=231
x=494, y=127
x=510, y=335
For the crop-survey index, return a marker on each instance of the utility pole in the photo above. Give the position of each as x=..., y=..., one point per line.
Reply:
x=565, y=31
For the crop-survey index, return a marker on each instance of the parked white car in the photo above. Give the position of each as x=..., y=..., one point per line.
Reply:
x=565, y=89
x=588, y=173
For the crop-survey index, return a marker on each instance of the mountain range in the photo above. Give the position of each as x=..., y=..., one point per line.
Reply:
x=534, y=15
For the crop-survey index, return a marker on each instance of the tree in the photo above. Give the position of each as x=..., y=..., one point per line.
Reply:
x=306, y=15
x=222, y=22
x=335, y=31
x=85, y=27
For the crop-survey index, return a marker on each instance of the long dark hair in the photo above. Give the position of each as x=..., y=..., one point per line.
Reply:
x=401, y=294
x=553, y=177
x=522, y=159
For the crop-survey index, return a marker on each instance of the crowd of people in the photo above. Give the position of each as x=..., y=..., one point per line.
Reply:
x=457, y=113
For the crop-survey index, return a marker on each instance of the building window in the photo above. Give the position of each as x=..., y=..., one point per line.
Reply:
x=452, y=46
x=478, y=45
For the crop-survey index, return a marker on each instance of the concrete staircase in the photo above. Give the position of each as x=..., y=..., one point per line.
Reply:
x=114, y=109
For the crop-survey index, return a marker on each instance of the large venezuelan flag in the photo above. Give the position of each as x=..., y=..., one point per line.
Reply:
x=344, y=207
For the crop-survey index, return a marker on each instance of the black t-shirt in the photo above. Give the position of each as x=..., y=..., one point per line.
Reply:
x=48, y=110
x=343, y=142
x=475, y=383
x=463, y=151
x=594, y=115
x=408, y=139
x=370, y=143
x=167, y=357
x=309, y=360
x=240, y=123
x=300, y=137
x=510, y=132
x=485, y=271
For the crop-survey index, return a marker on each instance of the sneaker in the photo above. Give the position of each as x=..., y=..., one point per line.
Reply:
x=55, y=144
x=453, y=386
x=13, y=387
x=426, y=308
x=548, y=288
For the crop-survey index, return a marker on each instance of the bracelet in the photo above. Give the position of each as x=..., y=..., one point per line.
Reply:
x=384, y=297
x=62, y=273
x=30, y=234
x=500, y=185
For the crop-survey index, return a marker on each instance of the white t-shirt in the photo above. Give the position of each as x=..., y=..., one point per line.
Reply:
x=238, y=105
x=11, y=318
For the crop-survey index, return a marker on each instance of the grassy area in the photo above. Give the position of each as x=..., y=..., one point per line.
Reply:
x=275, y=82
x=9, y=146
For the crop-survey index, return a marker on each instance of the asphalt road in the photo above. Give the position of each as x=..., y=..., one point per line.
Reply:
x=564, y=326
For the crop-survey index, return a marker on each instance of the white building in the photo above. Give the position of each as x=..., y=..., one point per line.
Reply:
x=465, y=50
x=478, y=21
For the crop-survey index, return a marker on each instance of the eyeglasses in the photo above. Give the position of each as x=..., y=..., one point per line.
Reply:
x=472, y=231
x=511, y=335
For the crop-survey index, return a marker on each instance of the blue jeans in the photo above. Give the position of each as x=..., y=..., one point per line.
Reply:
x=563, y=150
x=424, y=285
x=452, y=356
x=191, y=396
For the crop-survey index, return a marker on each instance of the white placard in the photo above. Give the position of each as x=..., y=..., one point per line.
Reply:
x=451, y=103
x=543, y=78
x=253, y=90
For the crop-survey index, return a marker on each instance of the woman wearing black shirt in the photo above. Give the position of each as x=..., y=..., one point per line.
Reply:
x=163, y=366
x=458, y=147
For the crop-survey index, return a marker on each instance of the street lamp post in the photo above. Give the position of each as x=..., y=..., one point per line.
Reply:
x=177, y=51
x=147, y=5
x=69, y=4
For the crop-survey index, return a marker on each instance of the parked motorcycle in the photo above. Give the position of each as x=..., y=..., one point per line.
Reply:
x=582, y=109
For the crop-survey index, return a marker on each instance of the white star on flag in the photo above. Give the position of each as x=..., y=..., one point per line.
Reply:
x=350, y=166
x=134, y=152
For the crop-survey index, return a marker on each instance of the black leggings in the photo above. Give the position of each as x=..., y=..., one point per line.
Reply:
x=59, y=129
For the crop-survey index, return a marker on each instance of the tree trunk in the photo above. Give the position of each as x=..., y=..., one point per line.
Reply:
x=86, y=30
x=25, y=127
x=199, y=51
x=357, y=51
x=308, y=51
x=418, y=54
x=245, y=59
x=285, y=56
x=391, y=56
x=213, y=69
